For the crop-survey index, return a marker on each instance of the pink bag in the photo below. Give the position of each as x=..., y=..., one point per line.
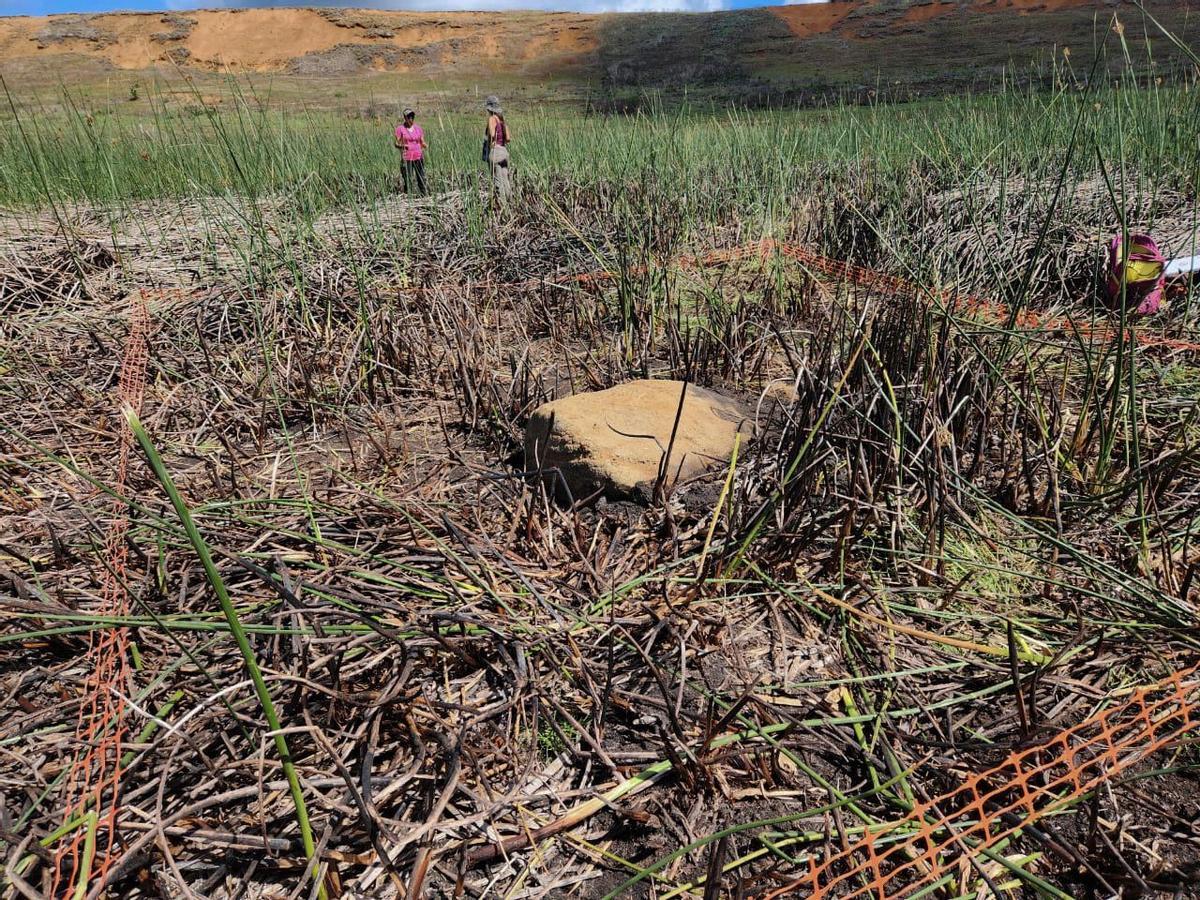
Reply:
x=1141, y=269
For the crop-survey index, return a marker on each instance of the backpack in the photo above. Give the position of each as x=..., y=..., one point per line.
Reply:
x=1140, y=267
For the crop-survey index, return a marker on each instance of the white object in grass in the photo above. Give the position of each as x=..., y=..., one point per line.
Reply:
x=1185, y=265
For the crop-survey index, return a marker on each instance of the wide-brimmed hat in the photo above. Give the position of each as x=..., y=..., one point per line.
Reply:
x=492, y=105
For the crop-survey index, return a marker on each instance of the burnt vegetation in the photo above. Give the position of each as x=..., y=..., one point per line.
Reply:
x=957, y=530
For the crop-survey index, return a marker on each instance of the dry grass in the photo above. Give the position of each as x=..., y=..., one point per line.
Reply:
x=460, y=660
x=488, y=693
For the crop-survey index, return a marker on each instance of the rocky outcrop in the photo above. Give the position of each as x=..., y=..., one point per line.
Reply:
x=181, y=29
x=347, y=59
x=73, y=28
x=616, y=441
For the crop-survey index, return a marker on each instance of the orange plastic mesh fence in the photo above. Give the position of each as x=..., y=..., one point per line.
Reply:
x=975, y=307
x=840, y=270
x=95, y=776
x=989, y=807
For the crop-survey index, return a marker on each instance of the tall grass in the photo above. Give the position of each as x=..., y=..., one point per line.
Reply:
x=246, y=146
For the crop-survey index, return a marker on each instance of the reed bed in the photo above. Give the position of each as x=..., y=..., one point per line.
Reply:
x=370, y=656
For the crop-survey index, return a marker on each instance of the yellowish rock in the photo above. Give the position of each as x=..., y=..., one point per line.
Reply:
x=614, y=441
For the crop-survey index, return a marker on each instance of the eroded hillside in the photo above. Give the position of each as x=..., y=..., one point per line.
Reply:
x=781, y=51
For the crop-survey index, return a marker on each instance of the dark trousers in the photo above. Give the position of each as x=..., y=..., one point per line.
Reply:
x=414, y=168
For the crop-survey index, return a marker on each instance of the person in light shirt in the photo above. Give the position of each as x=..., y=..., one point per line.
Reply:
x=410, y=140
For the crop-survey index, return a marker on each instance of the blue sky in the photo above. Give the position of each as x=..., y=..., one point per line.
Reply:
x=48, y=7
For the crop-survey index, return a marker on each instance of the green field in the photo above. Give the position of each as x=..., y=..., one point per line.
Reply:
x=360, y=632
x=177, y=145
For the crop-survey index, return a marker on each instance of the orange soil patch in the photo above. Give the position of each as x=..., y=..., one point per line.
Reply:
x=133, y=49
x=261, y=39
x=928, y=11
x=546, y=43
x=807, y=19
x=268, y=39
x=16, y=36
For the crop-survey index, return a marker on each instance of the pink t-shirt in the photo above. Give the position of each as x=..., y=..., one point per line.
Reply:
x=412, y=138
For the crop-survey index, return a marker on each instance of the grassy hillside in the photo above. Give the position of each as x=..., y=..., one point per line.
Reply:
x=183, y=147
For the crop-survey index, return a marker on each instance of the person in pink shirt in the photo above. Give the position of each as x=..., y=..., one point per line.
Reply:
x=410, y=140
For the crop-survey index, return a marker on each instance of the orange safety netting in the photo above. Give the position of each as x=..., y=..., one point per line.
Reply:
x=992, y=806
x=975, y=307
x=871, y=279
x=86, y=852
